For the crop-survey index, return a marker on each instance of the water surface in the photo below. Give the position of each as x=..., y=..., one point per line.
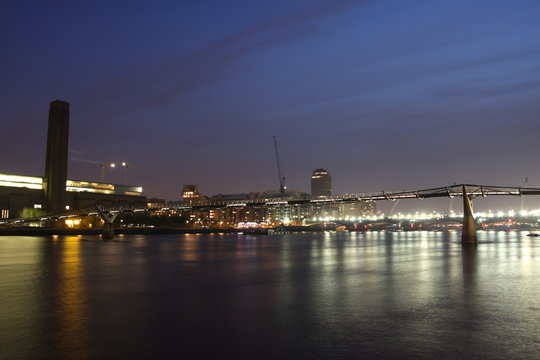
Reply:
x=318, y=295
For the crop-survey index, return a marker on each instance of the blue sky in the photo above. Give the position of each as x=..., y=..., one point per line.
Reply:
x=387, y=95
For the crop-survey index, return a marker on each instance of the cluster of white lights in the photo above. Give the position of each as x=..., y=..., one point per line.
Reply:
x=251, y=224
x=349, y=218
x=430, y=216
x=482, y=214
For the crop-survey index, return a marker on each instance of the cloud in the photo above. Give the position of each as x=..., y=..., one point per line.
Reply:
x=182, y=75
x=489, y=88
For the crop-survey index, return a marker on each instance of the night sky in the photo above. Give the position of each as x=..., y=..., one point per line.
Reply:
x=387, y=95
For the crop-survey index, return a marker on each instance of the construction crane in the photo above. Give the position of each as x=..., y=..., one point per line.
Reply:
x=99, y=163
x=281, y=177
x=126, y=166
x=103, y=166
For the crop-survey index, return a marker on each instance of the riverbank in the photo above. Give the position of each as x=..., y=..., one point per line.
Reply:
x=26, y=231
x=30, y=230
x=37, y=231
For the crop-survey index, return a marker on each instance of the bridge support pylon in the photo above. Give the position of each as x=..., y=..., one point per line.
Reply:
x=107, y=231
x=468, y=233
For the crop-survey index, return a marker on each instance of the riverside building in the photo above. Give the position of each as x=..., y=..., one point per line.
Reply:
x=54, y=193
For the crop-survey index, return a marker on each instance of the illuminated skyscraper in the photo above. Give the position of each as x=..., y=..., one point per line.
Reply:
x=321, y=183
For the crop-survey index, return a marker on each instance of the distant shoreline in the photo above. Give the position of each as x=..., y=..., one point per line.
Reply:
x=125, y=231
x=36, y=231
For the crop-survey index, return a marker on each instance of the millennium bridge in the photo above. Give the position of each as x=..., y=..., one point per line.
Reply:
x=467, y=191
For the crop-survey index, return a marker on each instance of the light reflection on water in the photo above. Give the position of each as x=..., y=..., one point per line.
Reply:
x=72, y=333
x=322, y=295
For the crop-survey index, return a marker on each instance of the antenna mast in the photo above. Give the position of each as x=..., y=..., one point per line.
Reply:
x=280, y=176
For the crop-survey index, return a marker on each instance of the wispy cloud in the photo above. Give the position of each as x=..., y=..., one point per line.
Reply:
x=167, y=82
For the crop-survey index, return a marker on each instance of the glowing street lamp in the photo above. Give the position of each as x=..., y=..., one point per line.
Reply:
x=113, y=166
x=125, y=166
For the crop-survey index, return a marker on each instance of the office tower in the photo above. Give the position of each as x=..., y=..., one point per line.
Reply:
x=321, y=183
x=190, y=193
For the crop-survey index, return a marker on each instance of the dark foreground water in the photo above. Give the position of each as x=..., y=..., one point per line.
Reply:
x=297, y=296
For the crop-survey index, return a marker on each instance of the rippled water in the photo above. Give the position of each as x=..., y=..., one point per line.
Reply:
x=320, y=295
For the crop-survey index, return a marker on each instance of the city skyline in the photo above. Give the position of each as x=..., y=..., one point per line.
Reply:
x=385, y=95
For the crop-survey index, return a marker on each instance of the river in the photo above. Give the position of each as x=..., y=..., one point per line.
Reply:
x=375, y=295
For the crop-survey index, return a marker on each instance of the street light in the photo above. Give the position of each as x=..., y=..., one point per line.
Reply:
x=125, y=166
